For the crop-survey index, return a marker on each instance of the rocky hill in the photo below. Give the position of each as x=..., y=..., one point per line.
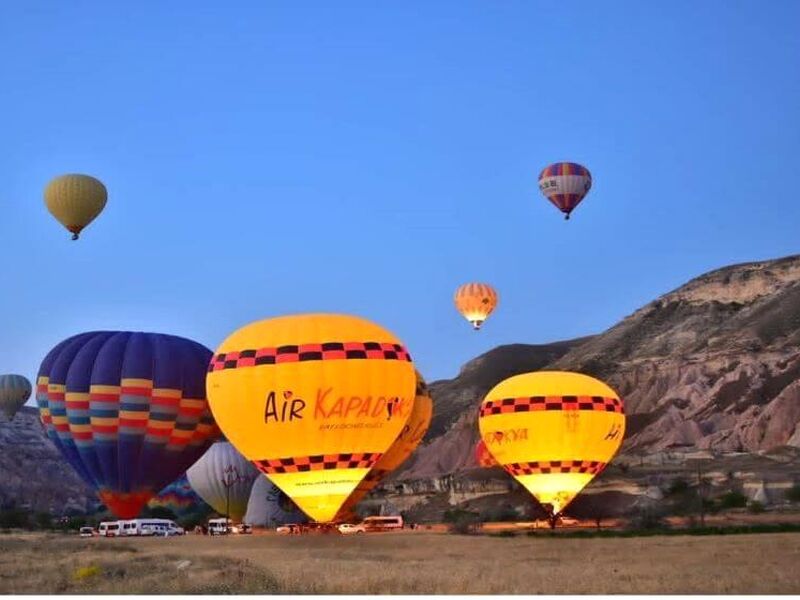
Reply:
x=34, y=474
x=713, y=365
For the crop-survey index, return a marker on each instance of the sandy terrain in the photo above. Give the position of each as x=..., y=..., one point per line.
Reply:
x=408, y=562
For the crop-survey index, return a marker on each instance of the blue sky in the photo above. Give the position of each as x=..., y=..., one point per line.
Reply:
x=271, y=158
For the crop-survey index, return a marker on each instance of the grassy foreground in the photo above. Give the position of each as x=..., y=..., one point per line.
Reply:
x=400, y=563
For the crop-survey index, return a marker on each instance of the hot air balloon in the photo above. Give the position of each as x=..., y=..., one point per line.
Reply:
x=127, y=410
x=75, y=201
x=553, y=431
x=405, y=444
x=269, y=506
x=565, y=184
x=483, y=457
x=178, y=497
x=314, y=401
x=223, y=478
x=476, y=301
x=14, y=392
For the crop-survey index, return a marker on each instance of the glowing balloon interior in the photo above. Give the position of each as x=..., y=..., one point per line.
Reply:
x=314, y=401
x=475, y=302
x=402, y=448
x=553, y=431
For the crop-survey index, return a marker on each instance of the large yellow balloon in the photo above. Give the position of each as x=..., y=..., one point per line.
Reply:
x=475, y=301
x=553, y=431
x=314, y=401
x=405, y=444
x=75, y=201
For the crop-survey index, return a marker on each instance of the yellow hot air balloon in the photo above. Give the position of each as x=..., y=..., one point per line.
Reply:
x=314, y=401
x=75, y=201
x=405, y=444
x=554, y=431
x=476, y=301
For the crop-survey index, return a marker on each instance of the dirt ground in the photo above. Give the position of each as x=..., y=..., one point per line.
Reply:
x=401, y=563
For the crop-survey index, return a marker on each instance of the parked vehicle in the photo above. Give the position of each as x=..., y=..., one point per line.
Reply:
x=289, y=529
x=149, y=527
x=348, y=528
x=109, y=529
x=85, y=532
x=244, y=528
x=220, y=526
x=383, y=523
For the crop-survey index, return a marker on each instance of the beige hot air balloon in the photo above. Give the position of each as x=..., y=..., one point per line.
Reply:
x=75, y=200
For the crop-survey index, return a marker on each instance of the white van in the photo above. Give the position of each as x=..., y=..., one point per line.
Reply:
x=109, y=529
x=220, y=526
x=163, y=527
x=383, y=523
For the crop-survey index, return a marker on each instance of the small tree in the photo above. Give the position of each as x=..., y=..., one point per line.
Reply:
x=755, y=507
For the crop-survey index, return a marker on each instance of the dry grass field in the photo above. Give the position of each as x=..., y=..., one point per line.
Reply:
x=400, y=563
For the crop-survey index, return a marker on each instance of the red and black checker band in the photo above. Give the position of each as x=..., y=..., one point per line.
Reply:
x=318, y=462
x=533, y=403
x=307, y=352
x=555, y=466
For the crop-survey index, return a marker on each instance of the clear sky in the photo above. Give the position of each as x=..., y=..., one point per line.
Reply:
x=265, y=158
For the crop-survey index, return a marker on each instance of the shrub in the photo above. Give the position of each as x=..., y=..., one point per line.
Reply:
x=793, y=494
x=462, y=521
x=733, y=500
x=13, y=518
x=505, y=513
x=755, y=507
x=677, y=486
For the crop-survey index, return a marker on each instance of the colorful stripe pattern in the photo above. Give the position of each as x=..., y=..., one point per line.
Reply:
x=555, y=466
x=565, y=184
x=127, y=410
x=307, y=352
x=534, y=403
x=319, y=462
x=564, y=168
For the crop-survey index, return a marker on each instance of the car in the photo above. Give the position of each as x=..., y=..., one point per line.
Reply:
x=289, y=529
x=245, y=529
x=349, y=529
x=85, y=532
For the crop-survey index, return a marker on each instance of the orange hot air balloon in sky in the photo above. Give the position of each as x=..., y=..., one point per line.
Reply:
x=476, y=301
x=401, y=449
x=554, y=431
x=314, y=401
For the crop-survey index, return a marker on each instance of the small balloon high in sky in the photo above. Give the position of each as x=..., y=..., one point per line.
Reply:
x=75, y=201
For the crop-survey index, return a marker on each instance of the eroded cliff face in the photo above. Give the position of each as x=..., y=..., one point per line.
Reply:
x=33, y=473
x=713, y=365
